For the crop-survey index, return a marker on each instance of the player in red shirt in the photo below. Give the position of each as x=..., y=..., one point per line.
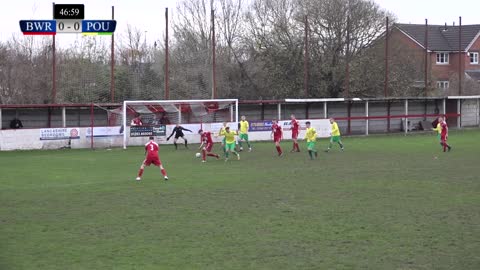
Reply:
x=277, y=136
x=295, y=126
x=151, y=157
x=207, y=144
x=444, y=135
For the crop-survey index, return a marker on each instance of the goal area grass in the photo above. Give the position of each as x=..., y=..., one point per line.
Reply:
x=386, y=202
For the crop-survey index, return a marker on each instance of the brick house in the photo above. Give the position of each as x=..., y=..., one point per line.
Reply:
x=443, y=53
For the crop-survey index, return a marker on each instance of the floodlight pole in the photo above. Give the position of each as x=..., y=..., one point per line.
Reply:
x=426, y=58
x=54, y=64
x=112, y=63
x=167, y=90
x=124, y=120
x=385, y=86
x=460, y=56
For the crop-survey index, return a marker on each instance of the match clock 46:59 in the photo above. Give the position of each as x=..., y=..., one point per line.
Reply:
x=69, y=12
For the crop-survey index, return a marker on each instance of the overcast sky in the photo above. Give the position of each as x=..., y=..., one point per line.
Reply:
x=148, y=15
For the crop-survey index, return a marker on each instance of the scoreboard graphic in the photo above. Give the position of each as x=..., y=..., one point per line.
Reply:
x=68, y=18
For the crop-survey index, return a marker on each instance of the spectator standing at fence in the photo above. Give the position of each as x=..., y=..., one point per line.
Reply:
x=243, y=133
x=151, y=157
x=334, y=135
x=178, y=131
x=137, y=121
x=16, y=123
x=295, y=126
x=164, y=120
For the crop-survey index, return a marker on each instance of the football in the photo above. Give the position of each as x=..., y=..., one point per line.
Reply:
x=198, y=155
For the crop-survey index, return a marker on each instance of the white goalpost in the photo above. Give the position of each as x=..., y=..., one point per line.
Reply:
x=158, y=117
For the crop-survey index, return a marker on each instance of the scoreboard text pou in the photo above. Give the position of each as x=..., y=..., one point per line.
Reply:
x=68, y=18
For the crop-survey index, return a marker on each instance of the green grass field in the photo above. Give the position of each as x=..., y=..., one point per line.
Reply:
x=384, y=203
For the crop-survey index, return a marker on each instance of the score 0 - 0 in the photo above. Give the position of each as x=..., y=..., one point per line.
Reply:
x=69, y=26
x=69, y=17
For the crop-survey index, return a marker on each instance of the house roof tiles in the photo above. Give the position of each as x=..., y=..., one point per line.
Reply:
x=441, y=38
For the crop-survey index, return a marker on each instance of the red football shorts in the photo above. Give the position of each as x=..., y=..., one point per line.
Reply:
x=277, y=139
x=443, y=138
x=152, y=160
x=209, y=147
x=294, y=134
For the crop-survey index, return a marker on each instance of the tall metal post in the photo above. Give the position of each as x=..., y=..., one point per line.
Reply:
x=426, y=58
x=385, y=86
x=112, y=63
x=167, y=90
x=460, y=57
x=54, y=64
x=347, y=60
x=214, y=79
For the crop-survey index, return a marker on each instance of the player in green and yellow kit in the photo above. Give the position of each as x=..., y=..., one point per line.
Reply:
x=334, y=135
x=311, y=137
x=438, y=129
x=230, y=143
x=243, y=133
x=222, y=133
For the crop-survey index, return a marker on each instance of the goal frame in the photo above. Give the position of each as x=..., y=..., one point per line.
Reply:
x=176, y=102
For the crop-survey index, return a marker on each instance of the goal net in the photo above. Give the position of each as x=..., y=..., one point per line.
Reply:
x=141, y=119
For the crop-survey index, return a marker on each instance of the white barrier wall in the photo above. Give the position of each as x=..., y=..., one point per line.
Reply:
x=105, y=137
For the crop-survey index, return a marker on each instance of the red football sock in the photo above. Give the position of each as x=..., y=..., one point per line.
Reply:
x=212, y=155
x=296, y=146
x=279, y=149
x=204, y=155
x=164, y=172
x=140, y=172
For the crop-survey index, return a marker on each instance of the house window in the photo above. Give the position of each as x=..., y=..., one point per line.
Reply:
x=442, y=58
x=474, y=58
x=443, y=84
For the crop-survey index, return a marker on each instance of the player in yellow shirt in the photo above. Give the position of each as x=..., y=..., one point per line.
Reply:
x=311, y=137
x=438, y=129
x=230, y=143
x=334, y=135
x=243, y=133
x=221, y=132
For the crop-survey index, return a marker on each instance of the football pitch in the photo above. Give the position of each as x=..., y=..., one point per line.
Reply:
x=384, y=203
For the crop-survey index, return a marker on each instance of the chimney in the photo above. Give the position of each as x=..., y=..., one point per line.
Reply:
x=445, y=28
